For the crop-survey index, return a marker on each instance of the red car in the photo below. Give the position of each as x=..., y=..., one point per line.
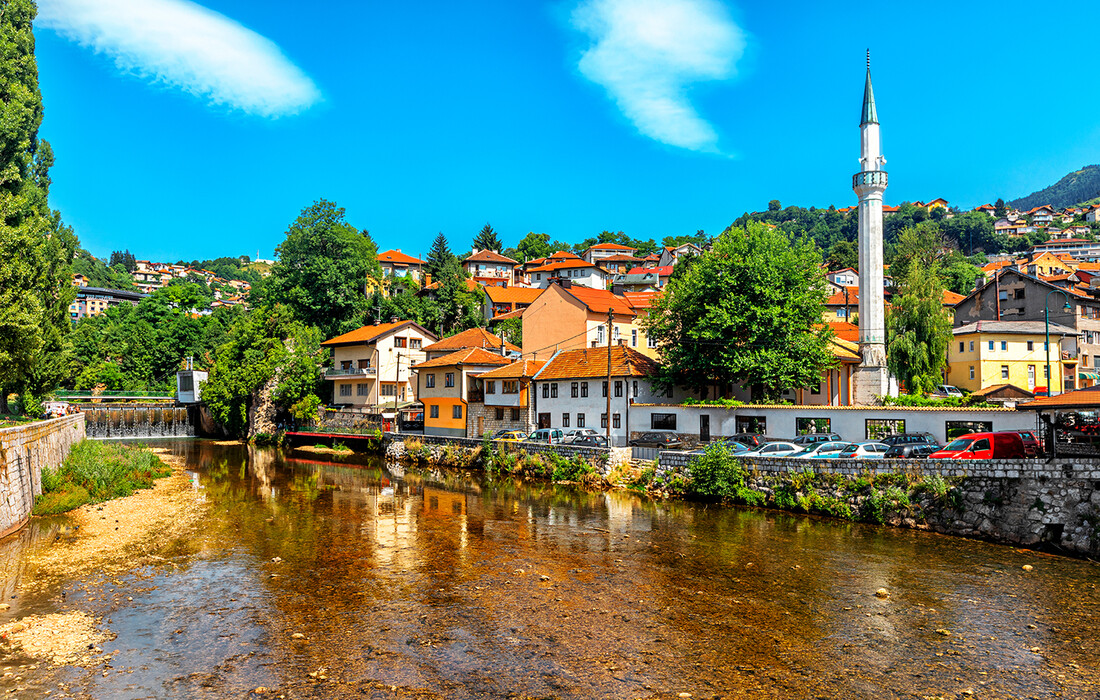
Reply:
x=1003, y=445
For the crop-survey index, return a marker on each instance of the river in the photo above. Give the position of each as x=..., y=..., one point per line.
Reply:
x=319, y=576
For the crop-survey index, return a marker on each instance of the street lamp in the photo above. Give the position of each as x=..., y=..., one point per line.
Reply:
x=1046, y=321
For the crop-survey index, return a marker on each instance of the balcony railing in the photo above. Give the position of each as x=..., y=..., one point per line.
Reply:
x=333, y=372
x=869, y=177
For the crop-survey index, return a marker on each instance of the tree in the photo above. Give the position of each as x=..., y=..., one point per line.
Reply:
x=918, y=328
x=774, y=205
x=125, y=259
x=534, y=246
x=322, y=269
x=34, y=262
x=842, y=254
x=487, y=239
x=748, y=312
x=999, y=208
x=511, y=330
x=438, y=256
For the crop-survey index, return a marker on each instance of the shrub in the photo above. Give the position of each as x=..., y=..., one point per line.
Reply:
x=97, y=471
x=718, y=474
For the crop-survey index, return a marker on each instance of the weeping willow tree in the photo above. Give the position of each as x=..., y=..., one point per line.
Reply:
x=918, y=328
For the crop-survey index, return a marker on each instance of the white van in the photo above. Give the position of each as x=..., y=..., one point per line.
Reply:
x=553, y=436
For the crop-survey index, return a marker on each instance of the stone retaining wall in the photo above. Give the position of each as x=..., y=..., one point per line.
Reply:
x=605, y=459
x=24, y=451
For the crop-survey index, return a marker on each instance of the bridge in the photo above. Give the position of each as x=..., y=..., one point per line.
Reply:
x=111, y=395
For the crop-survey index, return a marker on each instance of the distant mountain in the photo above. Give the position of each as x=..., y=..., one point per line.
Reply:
x=1075, y=188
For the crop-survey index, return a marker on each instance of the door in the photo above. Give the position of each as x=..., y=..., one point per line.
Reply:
x=544, y=421
x=1031, y=377
x=704, y=428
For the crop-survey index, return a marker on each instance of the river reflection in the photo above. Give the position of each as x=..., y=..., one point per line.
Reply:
x=442, y=584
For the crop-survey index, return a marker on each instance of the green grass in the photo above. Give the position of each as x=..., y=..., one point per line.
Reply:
x=97, y=471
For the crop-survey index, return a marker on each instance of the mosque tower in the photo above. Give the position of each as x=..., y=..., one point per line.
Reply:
x=871, y=378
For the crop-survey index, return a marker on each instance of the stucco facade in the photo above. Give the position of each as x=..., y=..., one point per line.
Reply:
x=371, y=365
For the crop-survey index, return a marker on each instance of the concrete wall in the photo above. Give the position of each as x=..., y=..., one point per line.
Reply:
x=604, y=458
x=848, y=422
x=24, y=451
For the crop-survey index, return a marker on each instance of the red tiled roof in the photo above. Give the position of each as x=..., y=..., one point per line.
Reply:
x=1082, y=398
x=663, y=271
x=367, y=334
x=951, y=298
x=471, y=286
x=845, y=331
x=620, y=258
x=641, y=300
x=516, y=370
x=471, y=356
x=396, y=256
x=600, y=300
x=652, y=256
x=610, y=246
x=490, y=256
x=563, y=265
x=472, y=338
x=518, y=313
x=512, y=295
x=592, y=362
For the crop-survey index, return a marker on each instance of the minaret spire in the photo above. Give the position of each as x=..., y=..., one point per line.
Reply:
x=870, y=114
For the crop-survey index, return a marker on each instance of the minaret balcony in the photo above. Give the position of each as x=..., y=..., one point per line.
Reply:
x=872, y=178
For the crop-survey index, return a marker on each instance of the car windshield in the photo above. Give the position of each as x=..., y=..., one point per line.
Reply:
x=850, y=450
x=833, y=447
x=960, y=444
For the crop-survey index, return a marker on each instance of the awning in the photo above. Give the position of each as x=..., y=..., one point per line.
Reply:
x=1089, y=375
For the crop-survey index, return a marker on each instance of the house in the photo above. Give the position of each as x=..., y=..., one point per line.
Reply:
x=1079, y=248
x=987, y=209
x=647, y=280
x=444, y=386
x=370, y=367
x=618, y=264
x=573, y=387
x=80, y=281
x=986, y=353
x=503, y=300
x=93, y=301
x=1041, y=216
x=1093, y=214
x=467, y=339
x=671, y=255
x=577, y=272
x=602, y=251
x=489, y=268
x=848, y=277
x=508, y=401
x=842, y=306
x=567, y=317
x=396, y=264
x=1007, y=394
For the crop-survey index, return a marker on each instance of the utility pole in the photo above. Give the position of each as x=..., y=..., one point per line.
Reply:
x=610, y=321
x=397, y=381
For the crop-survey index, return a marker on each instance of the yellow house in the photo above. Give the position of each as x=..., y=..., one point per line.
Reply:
x=987, y=353
x=446, y=387
x=1047, y=264
x=572, y=317
x=371, y=364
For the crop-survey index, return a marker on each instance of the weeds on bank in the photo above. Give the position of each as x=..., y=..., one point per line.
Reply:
x=97, y=471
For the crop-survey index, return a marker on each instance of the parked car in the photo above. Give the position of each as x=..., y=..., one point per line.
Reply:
x=815, y=438
x=773, y=449
x=510, y=435
x=500, y=433
x=912, y=450
x=1032, y=446
x=911, y=439
x=1008, y=444
x=947, y=391
x=662, y=440
x=734, y=447
x=553, y=436
x=750, y=440
x=590, y=441
x=574, y=433
x=821, y=450
x=868, y=449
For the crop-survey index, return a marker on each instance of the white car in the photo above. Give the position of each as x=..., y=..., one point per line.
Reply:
x=864, y=450
x=947, y=391
x=821, y=450
x=773, y=449
x=574, y=433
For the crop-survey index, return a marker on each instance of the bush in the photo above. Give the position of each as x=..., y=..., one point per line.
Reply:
x=718, y=474
x=97, y=471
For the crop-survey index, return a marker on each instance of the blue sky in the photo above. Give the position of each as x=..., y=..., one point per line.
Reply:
x=195, y=131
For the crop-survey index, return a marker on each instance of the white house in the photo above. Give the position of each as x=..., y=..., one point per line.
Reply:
x=576, y=271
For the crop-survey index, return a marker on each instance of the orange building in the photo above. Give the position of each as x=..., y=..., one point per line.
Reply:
x=572, y=317
x=446, y=388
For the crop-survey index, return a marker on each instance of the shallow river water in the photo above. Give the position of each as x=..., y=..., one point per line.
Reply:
x=448, y=585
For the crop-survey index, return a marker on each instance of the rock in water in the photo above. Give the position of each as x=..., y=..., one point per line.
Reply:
x=882, y=593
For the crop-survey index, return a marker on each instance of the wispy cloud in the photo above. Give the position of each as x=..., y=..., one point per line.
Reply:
x=646, y=53
x=179, y=43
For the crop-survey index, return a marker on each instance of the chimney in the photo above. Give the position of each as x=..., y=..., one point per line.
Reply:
x=393, y=319
x=979, y=282
x=427, y=279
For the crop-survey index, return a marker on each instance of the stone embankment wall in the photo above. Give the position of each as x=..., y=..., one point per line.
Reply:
x=604, y=459
x=1032, y=502
x=24, y=451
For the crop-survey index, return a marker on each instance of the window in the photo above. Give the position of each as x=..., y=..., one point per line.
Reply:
x=416, y=343
x=545, y=391
x=633, y=337
x=1019, y=293
x=618, y=388
x=500, y=414
x=603, y=420
x=554, y=390
x=388, y=390
x=878, y=428
x=434, y=412
x=1004, y=345
x=1004, y=371
x=509, y=386
x=1045, y=346
x=757, y=425
x=456, y=411
x=491, y=386
x=599, y=334
x=515, y=414
x=575, y=389
x=971, y=346
x=604, y=392
x=955, y=428
x=364, y=364
x=345, y=364
x=565, y=420
x=1030, y=345
x=662, y=421
x=991, y=345
x=584, y=390
x=635, y=389
x=345, y=390
x=651, y=342
x=971, y=371
x=816, y=390
x=616, y=421
x=982, y=444
x=1046, y=372
x=842, y=313
x=399, y=342
x=580, y=420
x=812, y=426
x=615, y=332
x=449, y=379
x=961, y=344
x=361, y=390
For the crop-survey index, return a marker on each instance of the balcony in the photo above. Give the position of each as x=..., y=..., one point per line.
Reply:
x=335, y=373
x=869, y=177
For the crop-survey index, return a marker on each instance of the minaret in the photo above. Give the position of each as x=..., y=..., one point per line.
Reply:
x=872, y=378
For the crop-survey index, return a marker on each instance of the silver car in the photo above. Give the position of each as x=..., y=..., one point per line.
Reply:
x=773, y=449
x=574, y=433
x=821, y=450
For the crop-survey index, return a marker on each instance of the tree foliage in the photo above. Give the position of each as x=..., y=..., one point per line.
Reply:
x=1076, y=187
x=487, y=239
x=99, y=274
x=747, y=312
x=439, y=256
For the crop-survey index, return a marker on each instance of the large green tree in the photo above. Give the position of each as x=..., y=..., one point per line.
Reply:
x=487, y=239
x=918, y=327
x=747, y=312
x=439, y=256
x=322, y=270
x=35, y=250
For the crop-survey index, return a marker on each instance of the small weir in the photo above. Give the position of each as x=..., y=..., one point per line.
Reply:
x=139, y=421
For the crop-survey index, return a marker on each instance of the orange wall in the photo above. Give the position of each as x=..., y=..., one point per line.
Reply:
x=445, y=420
x=553, y=322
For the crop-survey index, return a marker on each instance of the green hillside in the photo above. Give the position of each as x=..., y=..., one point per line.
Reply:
x=1080, y=186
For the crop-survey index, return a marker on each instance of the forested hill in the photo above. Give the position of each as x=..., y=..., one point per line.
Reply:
x=1077, y=187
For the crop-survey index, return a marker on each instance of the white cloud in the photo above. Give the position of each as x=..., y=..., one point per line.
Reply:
x=646, y=53
x=179, y=43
